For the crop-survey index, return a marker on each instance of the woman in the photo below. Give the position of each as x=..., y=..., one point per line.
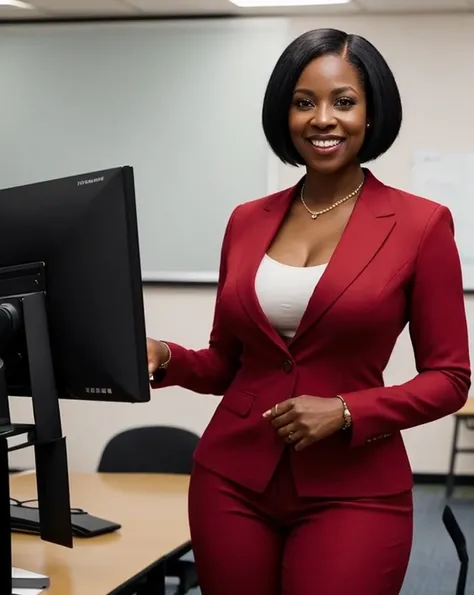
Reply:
x=301, y=484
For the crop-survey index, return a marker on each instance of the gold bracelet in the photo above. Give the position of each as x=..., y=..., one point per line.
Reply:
x=346, y=413
x=164, y=365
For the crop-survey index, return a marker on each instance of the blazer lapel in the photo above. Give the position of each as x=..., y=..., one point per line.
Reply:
x=257, y=241
x=370, y=224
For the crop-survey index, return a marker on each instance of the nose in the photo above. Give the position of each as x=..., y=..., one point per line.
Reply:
x=323, y=117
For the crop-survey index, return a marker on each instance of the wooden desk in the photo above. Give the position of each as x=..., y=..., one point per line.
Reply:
x=152, y=510
x=467, y=410
x=464, y=416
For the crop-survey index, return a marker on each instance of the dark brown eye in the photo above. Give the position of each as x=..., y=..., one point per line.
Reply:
x=345, y=102
x=304, y=103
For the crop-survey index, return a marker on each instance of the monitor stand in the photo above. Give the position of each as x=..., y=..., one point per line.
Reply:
x=45, y=435
x=19, y=579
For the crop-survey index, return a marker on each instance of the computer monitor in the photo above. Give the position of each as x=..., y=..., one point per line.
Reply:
x=72, y=322
x=84, y=229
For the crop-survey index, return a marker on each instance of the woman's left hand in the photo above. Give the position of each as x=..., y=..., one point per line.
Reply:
x=304, y=420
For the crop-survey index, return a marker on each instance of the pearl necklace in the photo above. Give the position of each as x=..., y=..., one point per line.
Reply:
x=316, y=214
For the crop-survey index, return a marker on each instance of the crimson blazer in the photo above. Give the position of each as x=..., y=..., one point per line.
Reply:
x=396, y=264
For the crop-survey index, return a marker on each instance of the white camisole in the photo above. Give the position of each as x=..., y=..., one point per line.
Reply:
x=284, y=292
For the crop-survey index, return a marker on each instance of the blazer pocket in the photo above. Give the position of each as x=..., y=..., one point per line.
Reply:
x=239, y=402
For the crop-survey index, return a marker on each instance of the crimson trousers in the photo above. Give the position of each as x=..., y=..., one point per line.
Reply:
x=278, y=543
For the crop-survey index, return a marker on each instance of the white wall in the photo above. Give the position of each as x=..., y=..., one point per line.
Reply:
x=432, y=60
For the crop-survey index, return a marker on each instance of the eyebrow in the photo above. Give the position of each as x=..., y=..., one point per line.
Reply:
x=337, y=91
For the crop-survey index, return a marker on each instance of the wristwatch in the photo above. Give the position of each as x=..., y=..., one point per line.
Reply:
x=346, y=414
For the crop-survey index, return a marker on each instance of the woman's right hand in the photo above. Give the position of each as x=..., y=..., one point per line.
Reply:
x=157, y=354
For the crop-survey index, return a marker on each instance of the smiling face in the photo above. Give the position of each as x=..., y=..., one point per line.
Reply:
x=328, y=114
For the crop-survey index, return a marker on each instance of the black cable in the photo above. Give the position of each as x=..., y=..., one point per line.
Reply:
x=26, y=504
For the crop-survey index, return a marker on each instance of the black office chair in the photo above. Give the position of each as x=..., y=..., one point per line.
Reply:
x=156, y=449
x=459, y=541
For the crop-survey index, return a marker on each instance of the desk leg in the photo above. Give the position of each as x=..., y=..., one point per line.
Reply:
x=450, y=480
x=155, y=582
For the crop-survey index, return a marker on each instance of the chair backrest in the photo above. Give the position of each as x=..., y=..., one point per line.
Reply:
x=151, y=449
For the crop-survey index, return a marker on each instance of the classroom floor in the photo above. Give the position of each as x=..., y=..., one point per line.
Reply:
x=434, y=566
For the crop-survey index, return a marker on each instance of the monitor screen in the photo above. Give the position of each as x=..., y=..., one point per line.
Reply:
x=84, y=230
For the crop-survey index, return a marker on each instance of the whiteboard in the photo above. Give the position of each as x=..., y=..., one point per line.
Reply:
x=448, y=178
x=180, y=101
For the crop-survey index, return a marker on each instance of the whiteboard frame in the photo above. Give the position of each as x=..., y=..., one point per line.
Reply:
x=269, y=171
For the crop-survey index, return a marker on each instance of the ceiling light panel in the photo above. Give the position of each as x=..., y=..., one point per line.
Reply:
x=285, y=3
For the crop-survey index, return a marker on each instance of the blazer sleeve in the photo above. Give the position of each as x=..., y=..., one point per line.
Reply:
x=211, y=370
x=438, y=330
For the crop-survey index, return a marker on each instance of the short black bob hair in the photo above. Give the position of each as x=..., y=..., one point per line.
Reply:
x=384, y=108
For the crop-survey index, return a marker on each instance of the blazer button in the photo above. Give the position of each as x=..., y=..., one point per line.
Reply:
x=287, y=366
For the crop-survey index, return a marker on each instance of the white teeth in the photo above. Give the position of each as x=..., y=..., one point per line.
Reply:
x=325, y=143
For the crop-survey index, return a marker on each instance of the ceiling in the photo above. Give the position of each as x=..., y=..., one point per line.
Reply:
x=58, y=9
